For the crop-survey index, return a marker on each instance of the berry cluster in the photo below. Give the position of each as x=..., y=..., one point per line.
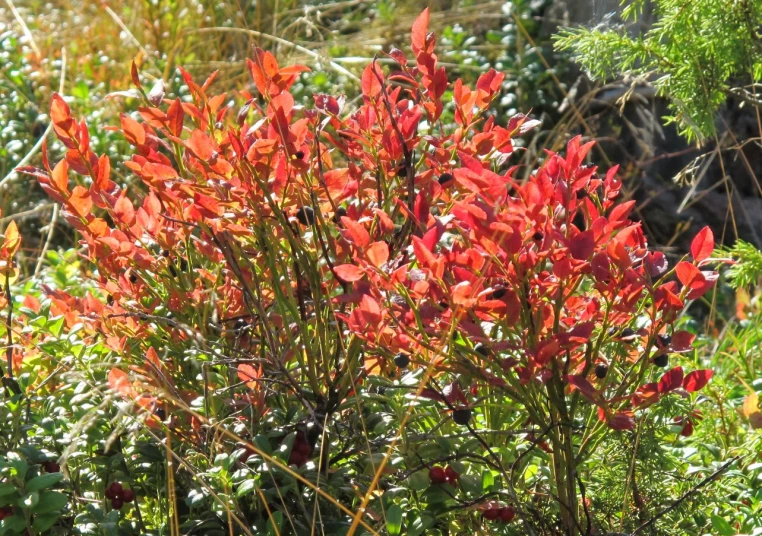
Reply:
x=118, y=495
x=439, y=475
x=301, y=451
x=503, y=514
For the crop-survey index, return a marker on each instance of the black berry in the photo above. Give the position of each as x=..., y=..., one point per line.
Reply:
x=402, y=360
x=445, y=179
x=581, y=194
x=305, y=215
x=601, y=370
x=538, y=236
x=133, y=278
x=665, y=340
x=482, y=349
x=498, y=292
x=461, y=416
x=661, y=360
x=299, y=155
x=110, y=300
x=183, y=265
x=165, y=253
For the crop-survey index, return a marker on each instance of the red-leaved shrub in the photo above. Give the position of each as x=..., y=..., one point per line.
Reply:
x=301, y=251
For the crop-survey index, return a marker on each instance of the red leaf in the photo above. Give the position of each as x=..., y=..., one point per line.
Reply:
x=349, y=273
x=687, y=273
x=356, y=231
x=64, y=125
x=671, y=380
x=425, y=257
x=582, y=245
x=646, y=395
x=682, y=341
x=621, y=211
x=134, y=74
x=696, y=380
x=656, y=264
x=371, y=86
x=176, y=116
x=621, y=420
x=419, y=31
x=702, y=245
x=584, y=386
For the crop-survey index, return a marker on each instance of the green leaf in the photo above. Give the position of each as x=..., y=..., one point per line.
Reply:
x=419, y=525
x=394, y=520
x=6, y=489
x=278, y=518
x=13, y=524
x=488, y=479
x=722, y=527
x=29, y=500
x=50, y=501
x=419, y=480
x=43, y=523
x=471, y=484
x=246, y=487
x=43, y=481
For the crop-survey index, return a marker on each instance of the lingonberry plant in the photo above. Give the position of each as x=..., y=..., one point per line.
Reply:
x=273, y=272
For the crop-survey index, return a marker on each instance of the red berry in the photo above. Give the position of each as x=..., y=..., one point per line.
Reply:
x=51, y=467
x=128, y=495
x=451, y=474
x=507, y=514
x=304, y=448
x=437, y=475
x=116, y=490
x=297, y=458
x=117, y=503
x=491, y=513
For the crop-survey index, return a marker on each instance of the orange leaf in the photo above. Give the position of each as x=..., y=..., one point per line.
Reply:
x=12, y=240
x=751, y=411
x=349, y=273
x=60, y=177
x=133, y=130
x=378, y=253
x=80, y=201
x=124, y=211
x=120, y=382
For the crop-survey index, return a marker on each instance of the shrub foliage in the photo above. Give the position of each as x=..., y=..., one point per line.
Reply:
x=354, y=318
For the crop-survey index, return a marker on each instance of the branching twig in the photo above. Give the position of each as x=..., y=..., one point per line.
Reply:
x=690, y=492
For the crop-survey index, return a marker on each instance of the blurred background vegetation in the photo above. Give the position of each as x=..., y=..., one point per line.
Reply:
x=689, y=151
